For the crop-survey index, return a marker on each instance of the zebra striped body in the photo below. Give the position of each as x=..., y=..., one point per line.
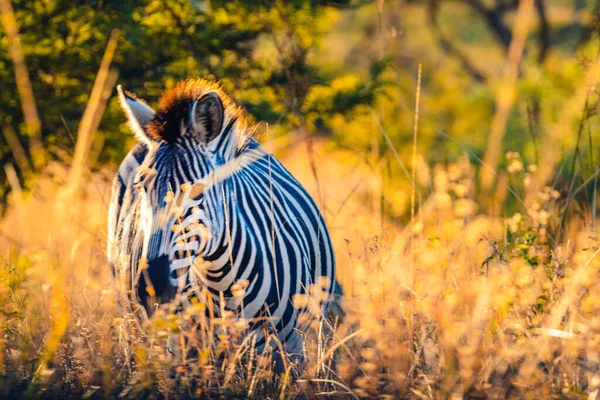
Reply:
x=189, y=215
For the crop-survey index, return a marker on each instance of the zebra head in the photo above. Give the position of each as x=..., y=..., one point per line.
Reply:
x=192, y=137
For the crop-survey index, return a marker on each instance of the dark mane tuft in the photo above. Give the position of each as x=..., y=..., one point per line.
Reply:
x=174, y=107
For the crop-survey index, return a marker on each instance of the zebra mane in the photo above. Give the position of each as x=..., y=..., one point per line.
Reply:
x=174, y=110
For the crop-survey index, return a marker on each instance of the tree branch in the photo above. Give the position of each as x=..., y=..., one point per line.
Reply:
x=446, y=45
x=494, y=19
x=544, y=32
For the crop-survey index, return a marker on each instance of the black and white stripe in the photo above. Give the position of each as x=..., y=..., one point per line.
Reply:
x=204, y=216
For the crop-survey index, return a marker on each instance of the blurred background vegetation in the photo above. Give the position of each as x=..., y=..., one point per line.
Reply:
x=476, y=217
x=344, y=70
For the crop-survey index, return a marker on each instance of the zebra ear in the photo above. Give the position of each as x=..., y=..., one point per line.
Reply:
x=138, y=114
x=207, y=116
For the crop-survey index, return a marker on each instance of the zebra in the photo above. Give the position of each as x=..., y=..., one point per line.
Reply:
x=198, y=204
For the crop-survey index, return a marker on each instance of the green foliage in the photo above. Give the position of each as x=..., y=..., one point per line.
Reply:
x=316, y=67
x=261, y=51
x=525, y=248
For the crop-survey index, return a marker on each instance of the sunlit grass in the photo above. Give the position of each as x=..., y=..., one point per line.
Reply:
x=496, y=308
x=451, y=291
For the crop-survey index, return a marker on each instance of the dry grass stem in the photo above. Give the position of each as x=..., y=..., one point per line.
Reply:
x=30, y=113
x=103, y=85
x=506, y=91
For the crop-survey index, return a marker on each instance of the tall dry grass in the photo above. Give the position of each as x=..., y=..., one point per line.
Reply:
x=492, y=307
x=458, y=303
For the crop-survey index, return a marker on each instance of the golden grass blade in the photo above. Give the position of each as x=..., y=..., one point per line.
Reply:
x=331, y=351
x=557, y=333
x=17, y=192
x=506, y=92
x=16, y=148
x=349, y=392
x=105, y=81
x=13, y=181
x=30, y=113
x=410, y=308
